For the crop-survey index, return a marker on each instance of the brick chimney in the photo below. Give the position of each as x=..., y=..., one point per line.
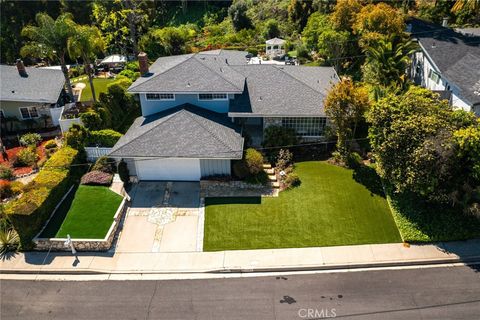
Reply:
x=21, y=68
x=143, y=63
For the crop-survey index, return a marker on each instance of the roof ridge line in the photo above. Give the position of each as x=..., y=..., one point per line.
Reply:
x=166, y=120
x=211, y=133
x=278, y=68
x=168, y=69
x=221, y=76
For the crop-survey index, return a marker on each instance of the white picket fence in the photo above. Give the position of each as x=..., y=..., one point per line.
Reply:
x=93, y=153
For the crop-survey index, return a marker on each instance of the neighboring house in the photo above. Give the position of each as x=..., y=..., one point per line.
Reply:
x=197, y=109
x=448, y=62
x=29, y=97
x=275, y=48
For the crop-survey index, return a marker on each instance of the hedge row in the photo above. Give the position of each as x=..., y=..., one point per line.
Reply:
x=103, y=138
x=29, y=213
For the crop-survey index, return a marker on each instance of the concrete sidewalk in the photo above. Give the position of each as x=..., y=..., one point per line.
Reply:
x=377, y=255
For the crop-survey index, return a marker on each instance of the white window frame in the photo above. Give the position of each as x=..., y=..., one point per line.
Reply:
x=434, y=76
x=29, y=112
x=213, y=97
x=306, y=127
x=160, y=98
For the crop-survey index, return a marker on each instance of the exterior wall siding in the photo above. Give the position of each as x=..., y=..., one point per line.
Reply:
x=422, y=67
x=153, y=106
x=11, y=109
x=215, y=167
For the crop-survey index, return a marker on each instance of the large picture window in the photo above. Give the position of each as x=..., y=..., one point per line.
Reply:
x=29, y=112
x=212, y=96
x=160, y=96
x=306, y=126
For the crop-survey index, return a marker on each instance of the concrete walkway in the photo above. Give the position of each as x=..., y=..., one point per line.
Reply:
x=244, y=260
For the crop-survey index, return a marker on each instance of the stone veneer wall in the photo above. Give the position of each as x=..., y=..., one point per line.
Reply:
x=269, y=121
x=212, y=188
x=57, y=244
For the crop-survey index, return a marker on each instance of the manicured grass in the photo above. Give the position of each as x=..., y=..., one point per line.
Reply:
x=329, y=208
x=420, y=221
x=89, y=215
x=100, y=86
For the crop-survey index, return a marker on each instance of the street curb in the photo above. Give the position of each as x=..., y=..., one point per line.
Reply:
x=423, y=262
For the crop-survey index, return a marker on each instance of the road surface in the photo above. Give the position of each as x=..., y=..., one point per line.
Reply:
x=433, y=293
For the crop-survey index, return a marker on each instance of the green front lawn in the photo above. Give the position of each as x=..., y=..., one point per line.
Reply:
x=100, y=85
x=89, y=214
x=329, y=208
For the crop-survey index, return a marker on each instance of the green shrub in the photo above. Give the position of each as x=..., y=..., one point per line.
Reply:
x=30, y=139
x=123, y=172
x=50, y=144
x=104, y=164
x=17, y=187
x=354, y=160
x=5, y=189
x=5, y=172
x=76, y=136
x=91, y=120
x=277, y=136
x=103, y=138
x=254, y=161
x=9, y=240
x=292, y=180
x=29, y=213
x=26, y=157
x=284, y=159
x=240, y=170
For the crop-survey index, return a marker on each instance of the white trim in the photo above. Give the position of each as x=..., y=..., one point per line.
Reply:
x=28, y=108
x=258, y=115
x=159, y=96
x=213, y=98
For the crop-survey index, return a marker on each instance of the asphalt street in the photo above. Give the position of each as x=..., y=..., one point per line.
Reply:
x=432, y=293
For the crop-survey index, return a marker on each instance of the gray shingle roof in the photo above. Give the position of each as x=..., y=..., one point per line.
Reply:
x=202, y=72
x=185, y=131
x=283, y=90
x=41, y=85
x=456, y=55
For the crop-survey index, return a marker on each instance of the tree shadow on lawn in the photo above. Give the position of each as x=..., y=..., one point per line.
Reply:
x=368, y=177
x=233, y=200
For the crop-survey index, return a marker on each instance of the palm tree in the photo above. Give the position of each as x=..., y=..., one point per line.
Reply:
x=387, y=61
x=49, y=38
x=85, y=43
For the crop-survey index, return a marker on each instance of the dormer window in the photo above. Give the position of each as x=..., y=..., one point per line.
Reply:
x=212, y=96
x=160, y=96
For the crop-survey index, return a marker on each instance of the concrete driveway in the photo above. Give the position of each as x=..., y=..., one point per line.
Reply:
x=163, y=217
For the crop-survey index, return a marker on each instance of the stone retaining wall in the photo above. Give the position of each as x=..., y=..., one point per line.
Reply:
x=57, y=244
x=212, y=188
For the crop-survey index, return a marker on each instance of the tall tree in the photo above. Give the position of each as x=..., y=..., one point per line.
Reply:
x=374, y=21
x=299, y=11
x=423, y=145
x=387, y=60
x=50, y=37
x=86, y=43
x=238, y=14
x=345, y=106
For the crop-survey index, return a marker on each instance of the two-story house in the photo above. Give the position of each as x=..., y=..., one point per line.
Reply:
x=29, y=97
x=197, y=110
x=448, y=62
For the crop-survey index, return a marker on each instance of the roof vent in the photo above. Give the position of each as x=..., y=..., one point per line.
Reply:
x=260, y=98
x=221, y=70
x=188, y=84
x=434, y=45
x=226, y=61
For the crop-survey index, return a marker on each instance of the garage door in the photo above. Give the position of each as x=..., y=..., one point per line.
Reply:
x=171, y=169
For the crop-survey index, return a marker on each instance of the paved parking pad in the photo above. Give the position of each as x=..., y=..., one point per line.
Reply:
x=163, y=217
